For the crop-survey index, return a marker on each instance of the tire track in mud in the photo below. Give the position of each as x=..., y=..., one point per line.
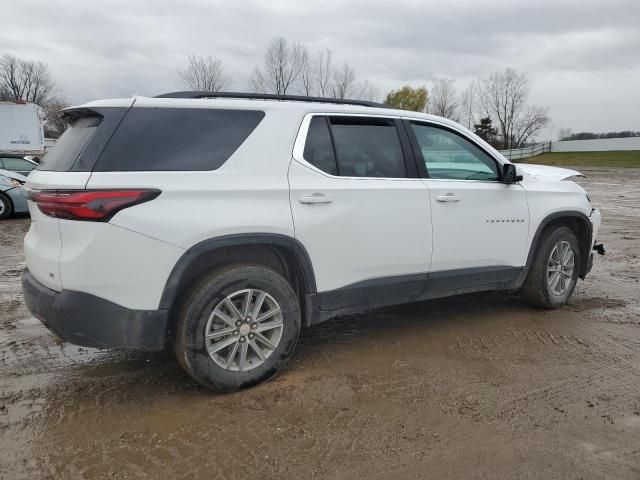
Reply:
x=329, y=437
x=225, y=449
x=509, y=343
x=593, y=360
x=589, y=339
x=338, y=435
x=606, y=463
x=585, y=389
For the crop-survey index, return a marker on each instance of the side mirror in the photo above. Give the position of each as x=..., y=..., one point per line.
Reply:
x=509, y=174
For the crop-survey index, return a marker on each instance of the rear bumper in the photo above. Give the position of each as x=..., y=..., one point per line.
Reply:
x=90, y=321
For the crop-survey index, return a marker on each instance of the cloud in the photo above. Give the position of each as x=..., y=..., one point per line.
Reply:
x=103, y=49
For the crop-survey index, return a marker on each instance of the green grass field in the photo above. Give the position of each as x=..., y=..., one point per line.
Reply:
x=627, y=159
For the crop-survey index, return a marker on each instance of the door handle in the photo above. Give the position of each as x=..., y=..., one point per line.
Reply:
x=449, y=197
x=315, y=198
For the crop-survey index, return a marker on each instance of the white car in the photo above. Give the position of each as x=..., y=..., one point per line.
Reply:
x=221, y=224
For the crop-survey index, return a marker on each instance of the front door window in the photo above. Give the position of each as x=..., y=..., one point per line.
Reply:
x=447, y=155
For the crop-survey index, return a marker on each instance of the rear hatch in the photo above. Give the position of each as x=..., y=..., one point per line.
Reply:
x=114, y=157
x=66, y=167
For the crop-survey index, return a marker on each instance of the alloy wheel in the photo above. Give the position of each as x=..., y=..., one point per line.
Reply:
x=243, y=330
x=560, y=268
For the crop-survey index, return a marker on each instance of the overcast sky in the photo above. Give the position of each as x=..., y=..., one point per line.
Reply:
x=582, y=56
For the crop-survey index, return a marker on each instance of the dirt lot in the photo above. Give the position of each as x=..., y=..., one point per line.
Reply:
x=478, y=386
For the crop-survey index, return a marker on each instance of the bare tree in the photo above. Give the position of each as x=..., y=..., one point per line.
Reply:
x=368, y=91
x=24, y=80
x=343, y=82
x=322, y=70
x=282, y=66
x=307, y=77
x=205, y=74
x=289, y=67
x=530, y=122
x=468, y=106
x=30, y=81
x=54, y=125
x=503, y=97
x=564, y=133
x=442, y=99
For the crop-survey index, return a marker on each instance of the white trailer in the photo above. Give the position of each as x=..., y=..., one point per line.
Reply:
x=21, y=130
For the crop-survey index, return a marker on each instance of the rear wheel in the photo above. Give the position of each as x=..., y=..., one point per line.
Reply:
x=553, y=275
x=237, y=328
x=6, y=207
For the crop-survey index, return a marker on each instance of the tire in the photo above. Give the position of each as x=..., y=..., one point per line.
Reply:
x=538, y=288
x=6, y=207
x=207, y=309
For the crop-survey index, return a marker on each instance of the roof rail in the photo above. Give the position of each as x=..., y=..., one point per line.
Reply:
x=270, y=96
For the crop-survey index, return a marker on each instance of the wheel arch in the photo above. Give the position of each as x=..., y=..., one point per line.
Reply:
x=282, y=253
x=576, y=221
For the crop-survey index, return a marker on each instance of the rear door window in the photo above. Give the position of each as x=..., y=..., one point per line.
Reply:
x=355, y=146
x=367, y=147
x=318, y=150
x=170, y=139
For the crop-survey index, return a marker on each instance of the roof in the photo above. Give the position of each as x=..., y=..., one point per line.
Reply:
x=251, y=101
x=298, y=105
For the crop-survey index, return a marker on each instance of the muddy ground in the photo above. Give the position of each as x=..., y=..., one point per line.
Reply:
x=479, y=386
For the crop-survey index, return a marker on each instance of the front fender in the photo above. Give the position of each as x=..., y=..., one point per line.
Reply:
x=584, y=233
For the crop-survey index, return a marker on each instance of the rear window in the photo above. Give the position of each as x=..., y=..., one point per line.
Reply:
x=169, y=139
x=69, y=146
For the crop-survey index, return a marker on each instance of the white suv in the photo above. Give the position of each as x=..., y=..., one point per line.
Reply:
x=221, y=224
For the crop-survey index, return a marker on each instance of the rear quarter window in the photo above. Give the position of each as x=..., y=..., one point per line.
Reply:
x=170, y=139
x=70, y=145
x=80, y=145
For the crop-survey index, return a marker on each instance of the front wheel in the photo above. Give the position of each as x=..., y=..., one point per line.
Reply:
x=6, y=207
x=554, y=272
x=237, y=328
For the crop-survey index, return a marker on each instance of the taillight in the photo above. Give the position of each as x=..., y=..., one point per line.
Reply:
x=94, y=205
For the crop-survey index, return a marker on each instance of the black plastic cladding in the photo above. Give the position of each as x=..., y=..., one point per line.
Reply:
x=585, y=244
x=174, y=282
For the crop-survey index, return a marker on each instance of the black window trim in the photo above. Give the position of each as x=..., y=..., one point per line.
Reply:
x=410, y=162
x=417, y=152
x=333, y=143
